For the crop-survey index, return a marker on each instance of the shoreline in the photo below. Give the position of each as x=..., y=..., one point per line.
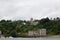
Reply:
x=58, y=36
x=53, y=36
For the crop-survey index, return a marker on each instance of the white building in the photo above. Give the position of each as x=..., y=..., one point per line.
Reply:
x=0, y=32
x=32, y=22
x=39, y=32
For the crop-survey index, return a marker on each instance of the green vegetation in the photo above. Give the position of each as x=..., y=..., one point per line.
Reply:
x=20, y=28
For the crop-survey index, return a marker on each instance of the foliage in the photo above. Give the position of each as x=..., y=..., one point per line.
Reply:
x=20, y=27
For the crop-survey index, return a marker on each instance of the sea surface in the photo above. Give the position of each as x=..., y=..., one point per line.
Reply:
x=41, y=38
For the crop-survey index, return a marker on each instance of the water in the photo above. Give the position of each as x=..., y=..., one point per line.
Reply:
x=45, y=38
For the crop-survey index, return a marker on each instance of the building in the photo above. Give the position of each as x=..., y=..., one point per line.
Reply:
x=0, y=34
x=39, y=32
x=32, y=22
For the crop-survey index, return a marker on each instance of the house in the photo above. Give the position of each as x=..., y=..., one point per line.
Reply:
x=0, y=34
x=39, y=32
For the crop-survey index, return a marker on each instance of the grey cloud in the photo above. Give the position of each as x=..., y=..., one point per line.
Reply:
x=25, y=9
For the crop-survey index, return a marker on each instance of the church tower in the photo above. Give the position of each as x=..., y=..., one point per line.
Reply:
x=31, y=21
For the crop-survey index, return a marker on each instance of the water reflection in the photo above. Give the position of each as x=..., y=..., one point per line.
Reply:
x=41, y=38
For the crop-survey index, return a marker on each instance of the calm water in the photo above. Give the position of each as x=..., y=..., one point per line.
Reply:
x=46, y=38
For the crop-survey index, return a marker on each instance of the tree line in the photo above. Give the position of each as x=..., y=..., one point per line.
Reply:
x=20, y=28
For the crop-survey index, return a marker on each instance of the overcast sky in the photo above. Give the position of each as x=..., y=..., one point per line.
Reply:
x=25, y=9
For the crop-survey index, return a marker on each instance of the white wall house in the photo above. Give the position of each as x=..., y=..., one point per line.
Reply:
x=39, y=32
x=0, y=34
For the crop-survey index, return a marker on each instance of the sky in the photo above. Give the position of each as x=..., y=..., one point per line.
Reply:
x=26, y=9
